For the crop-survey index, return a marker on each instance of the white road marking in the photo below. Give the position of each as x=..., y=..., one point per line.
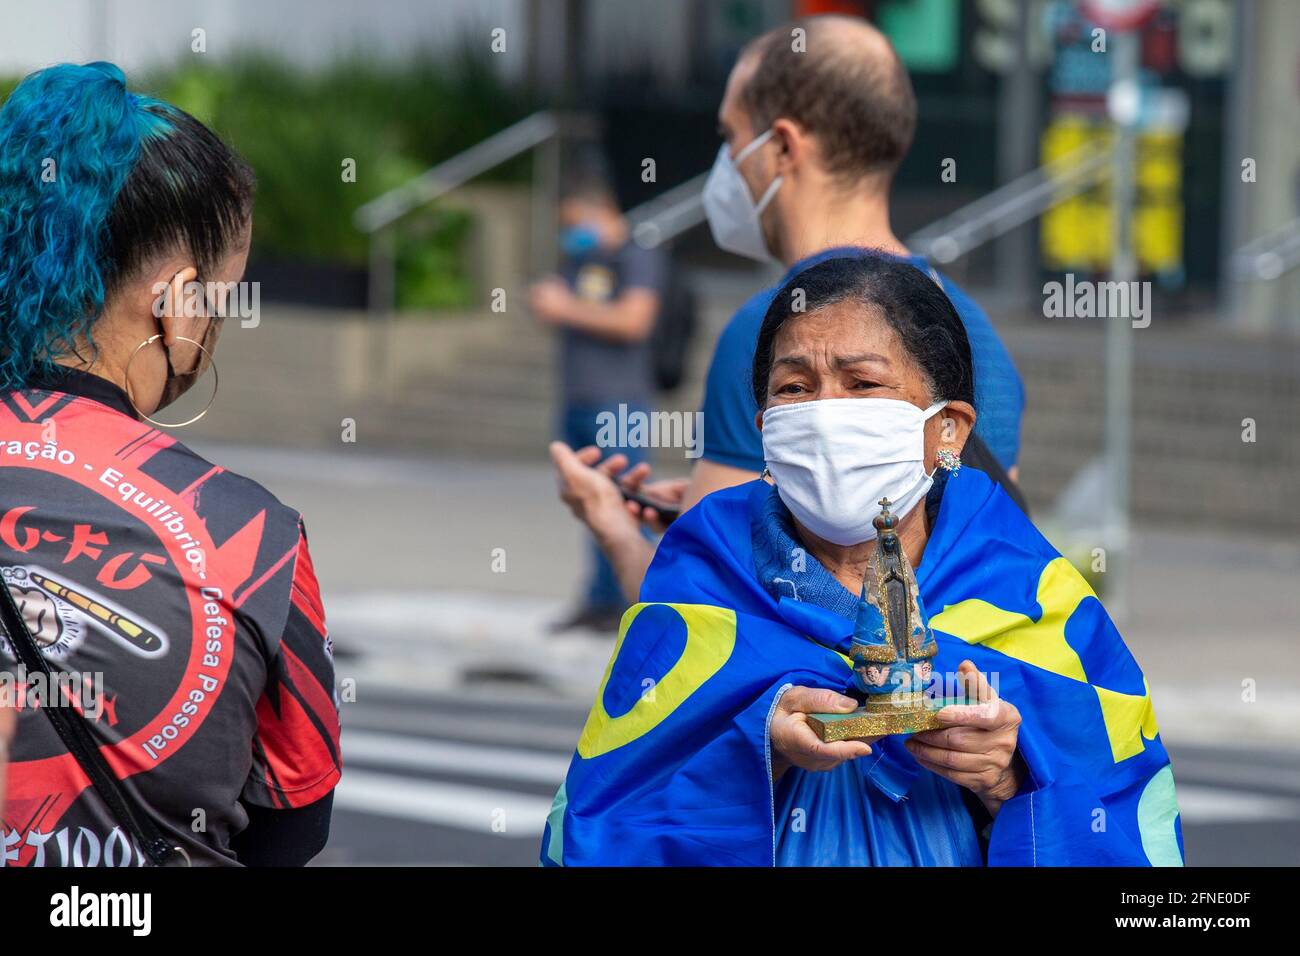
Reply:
x=480, y=809
x=473, y=727
x=1201, y=805
x=382, y=789
x=1211, y=772
x=510, y=763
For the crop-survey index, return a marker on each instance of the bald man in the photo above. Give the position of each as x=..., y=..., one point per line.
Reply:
x=817, y=123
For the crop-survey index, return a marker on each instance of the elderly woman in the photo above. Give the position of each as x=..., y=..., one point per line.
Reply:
x=698, y=749
x=180, y=593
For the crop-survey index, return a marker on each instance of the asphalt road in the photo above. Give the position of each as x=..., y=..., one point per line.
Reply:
x=406, y=550
x=467, y=777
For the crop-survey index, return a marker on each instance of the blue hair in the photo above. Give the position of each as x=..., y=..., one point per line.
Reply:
x=94, y=179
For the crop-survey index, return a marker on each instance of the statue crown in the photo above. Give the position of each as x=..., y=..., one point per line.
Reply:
x=885, y=521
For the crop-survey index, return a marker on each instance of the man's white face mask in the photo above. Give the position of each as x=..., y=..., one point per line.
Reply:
x=734, y=217
x=834, y=459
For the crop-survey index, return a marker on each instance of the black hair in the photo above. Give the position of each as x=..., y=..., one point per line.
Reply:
x=187, y=190
x=586, y=177
x=94, y=181
x=913, y=304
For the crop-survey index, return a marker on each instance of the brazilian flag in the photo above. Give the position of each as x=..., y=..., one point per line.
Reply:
x=673, y=765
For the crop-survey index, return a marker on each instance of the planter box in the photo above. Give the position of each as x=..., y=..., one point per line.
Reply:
x=320, y=284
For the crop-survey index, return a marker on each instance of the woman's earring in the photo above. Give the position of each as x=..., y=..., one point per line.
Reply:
x=948, y=460
x=767, y=475
x=216, y=383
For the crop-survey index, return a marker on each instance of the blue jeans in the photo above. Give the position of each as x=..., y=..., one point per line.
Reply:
x=581, y=427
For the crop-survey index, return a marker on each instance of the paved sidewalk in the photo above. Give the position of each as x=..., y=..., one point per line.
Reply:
x=405, y=553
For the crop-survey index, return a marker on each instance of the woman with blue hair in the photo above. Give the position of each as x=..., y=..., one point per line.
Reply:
x=204, y=725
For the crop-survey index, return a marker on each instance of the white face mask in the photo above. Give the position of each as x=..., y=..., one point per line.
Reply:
x=734, y=217
x=834, y=459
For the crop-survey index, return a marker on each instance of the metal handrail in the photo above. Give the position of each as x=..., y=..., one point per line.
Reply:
x=669, y=214
x=1011, y=205
x=441, y=179
x=681, y=208
x=379, y=217
x=1270, y=256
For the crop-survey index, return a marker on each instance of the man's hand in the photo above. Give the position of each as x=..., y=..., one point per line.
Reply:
x=549, y=299
x=978, y=749
x=793, y=741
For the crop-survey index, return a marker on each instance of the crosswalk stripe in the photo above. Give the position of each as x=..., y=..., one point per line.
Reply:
x=480, y=730
x=1212, y=772
x=512, y=752
x=524, y=815
x=523, y=702
x=480, y=809
x=511, y=763
x=1201, y=805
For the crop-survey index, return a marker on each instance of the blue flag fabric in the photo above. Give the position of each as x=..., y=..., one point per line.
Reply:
x=673, y=765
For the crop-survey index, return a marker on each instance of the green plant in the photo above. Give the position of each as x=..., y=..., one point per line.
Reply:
x=431, y=271
x=297, y=127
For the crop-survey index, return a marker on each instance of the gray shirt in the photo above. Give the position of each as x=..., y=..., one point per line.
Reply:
x=600, y=372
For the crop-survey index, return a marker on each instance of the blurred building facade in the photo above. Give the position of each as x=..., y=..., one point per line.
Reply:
x=1004, y=85
x=138, y=34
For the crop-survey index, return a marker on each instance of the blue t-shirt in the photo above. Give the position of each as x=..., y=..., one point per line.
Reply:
x=732, y=438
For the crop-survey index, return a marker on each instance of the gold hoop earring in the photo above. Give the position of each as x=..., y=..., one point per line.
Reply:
x=216, y=382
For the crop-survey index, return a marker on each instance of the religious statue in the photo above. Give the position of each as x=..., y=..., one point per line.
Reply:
x=892, y=649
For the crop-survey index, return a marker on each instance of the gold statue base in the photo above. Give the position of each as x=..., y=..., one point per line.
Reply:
x=909, y=715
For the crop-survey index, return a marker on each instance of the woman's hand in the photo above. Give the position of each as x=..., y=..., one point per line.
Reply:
x=795, y=743
x=589, y=487
x=670, y=491
x=978, y=749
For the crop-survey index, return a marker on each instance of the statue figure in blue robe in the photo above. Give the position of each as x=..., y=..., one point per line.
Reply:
x=892, y=641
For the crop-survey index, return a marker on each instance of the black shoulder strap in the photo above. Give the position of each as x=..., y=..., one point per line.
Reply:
x=977, y=455
x=70, y=724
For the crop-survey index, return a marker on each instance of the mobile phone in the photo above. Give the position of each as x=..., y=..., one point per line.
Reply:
x=667, y=513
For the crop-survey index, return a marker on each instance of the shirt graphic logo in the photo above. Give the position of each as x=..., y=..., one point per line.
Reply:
x=58, y=614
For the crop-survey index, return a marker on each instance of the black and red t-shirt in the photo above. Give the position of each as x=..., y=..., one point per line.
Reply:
x=182, y=597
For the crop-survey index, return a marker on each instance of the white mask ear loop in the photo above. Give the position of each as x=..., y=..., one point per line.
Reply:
x=767, y=195
x=752, y=145
x=744, y=154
